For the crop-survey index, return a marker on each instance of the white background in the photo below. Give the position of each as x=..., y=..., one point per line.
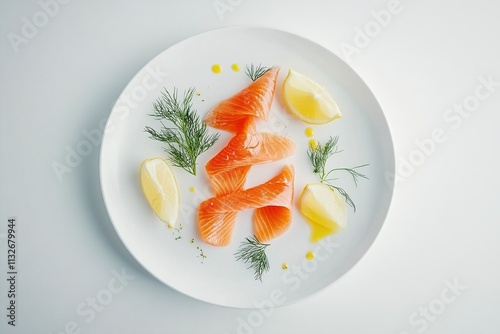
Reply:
x=60, y=81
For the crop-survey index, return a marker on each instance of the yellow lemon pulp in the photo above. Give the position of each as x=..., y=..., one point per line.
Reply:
x=159, y=186
x=307, y=100
x=324, y=209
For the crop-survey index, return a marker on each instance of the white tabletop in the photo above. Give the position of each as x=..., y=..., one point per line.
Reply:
x=433, y=66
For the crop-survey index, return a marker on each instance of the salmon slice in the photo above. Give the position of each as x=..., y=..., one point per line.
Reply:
x=253, y=101
x=228, y=181
x=272, y=199
x=271, y=222
x=216, y=228
x=246, y=149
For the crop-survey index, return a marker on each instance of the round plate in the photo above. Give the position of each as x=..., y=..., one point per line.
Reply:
x=178, y=257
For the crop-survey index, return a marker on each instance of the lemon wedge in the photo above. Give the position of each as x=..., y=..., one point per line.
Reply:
x=324, y=209
x=159, y=185
x=307, y=100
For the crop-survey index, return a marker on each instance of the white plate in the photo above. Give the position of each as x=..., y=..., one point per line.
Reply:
x=219, y=279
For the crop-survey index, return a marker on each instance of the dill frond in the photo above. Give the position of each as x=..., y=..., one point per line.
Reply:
x=189, y=137
x=319, y=155
x=252, y=251
x=255, y=72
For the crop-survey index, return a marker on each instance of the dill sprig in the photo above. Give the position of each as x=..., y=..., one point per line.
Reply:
x=202, y=254
x=188, y=137
x=255, y=72
x=319, y=155
x=252, y=251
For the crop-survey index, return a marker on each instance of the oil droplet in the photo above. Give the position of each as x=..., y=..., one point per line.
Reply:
x=235, y=67
x=313, y=143
x=310, y=255
x=191, y=189
x=216, y=68
x=284, y=266
x=309, y=132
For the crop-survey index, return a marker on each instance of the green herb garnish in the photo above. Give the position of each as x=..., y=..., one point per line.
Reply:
x=252, y=251
x=319, y=155
x=189, y=137
x=256, y=72
x=202, y=255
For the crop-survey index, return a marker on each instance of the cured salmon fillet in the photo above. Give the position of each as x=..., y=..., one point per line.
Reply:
x=229, y=168
x=272, y=199
x=254, y=101
x=230, y=180
x=246, y=149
